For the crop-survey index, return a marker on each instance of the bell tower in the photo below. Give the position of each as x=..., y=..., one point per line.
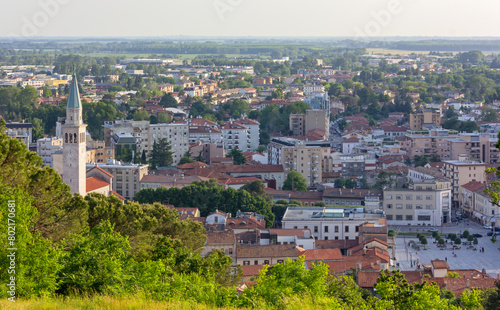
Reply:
x=74, y=145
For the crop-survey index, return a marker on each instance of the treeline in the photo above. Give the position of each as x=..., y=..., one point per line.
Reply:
x=209, y=197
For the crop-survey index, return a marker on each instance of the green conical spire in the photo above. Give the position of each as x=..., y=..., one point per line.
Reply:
x=74, y=95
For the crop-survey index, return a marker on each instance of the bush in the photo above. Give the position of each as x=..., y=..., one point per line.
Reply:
x=391, y=233
x=458, y=241
x=441, y=241
x=466, y=234
x=470, y=238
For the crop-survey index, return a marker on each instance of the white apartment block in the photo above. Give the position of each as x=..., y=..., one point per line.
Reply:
x=427, y=202
x=331, y=223
x=177, y=135
x=235, y=135
x=47, y=147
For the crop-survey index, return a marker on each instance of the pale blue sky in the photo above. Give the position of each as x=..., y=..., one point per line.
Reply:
x=250, y=18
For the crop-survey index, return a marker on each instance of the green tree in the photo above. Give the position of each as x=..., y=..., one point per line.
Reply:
x=161, y=155
x=295, y=182
x=489, y=115
x=492, y=300
x=465, y=234
x=168, y=101
x=420, y=160
x=237, y=155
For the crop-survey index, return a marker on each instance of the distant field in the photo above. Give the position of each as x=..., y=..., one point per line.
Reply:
x=386, y=51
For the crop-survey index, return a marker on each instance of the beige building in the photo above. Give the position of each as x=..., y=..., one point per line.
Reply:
x=307, y=157
x=102, y=152
x=425, y=119
x=266, y=254
x=477, y=204
x=427, y=202
x=220, y=240
x=477, y=146
x=126, y=177
x=434, y=142
x=301, y=124
x=461, y=172
x=47, y=147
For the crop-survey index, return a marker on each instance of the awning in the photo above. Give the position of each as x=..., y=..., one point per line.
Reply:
x=478, y=215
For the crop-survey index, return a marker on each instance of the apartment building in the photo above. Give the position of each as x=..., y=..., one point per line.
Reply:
x=426, y=119
x=177, y=134
x=354, y=165
x=433, y=142
x=331, y=223
x=126, y=177
x=426, y=202
x=307, y=157
x=302, y=124
x=353, y=196
x=235, y=135
x=21, y=131
x=477, y=146
x=461, y=172
x=477, y=204
x=253, y=131
x=102, y=152
x=204, y=134
x=47, y=147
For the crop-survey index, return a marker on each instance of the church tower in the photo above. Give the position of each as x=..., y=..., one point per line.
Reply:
x=74, y=146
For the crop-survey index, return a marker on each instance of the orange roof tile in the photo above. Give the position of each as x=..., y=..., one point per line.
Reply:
x=94, y=183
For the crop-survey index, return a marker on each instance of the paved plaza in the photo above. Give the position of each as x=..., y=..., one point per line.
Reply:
x=466, y=258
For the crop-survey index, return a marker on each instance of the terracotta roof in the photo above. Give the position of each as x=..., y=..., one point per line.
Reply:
x=101, y=170
x=263, y=251
x=240, y=180
x=244, y=223
x=94, y=183
x=333, y=244
x=251, y=270
x=351, y=140
x=288, y=232
x=473, y=186
x=250, y=168
x=118, y=195
x=191, y=165
x=225, y=236
x=323, y=255
x=439, y=264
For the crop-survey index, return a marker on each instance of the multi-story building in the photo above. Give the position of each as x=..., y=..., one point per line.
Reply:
x=269, y=173
x=47, y=147
x=235, y=135
x=425, y=119
x=126, y=177
x=253, y=131
x=352, y=196
x=434, y=142
x=426, y=202
x=301, y=124
x=478, y=146
x=356, y=165
x=177, y=135
x=204, y=134
x=102, y=152
x=477, y=204
x=331, y=223
x=306, y=157
x=21, y=131
x=461, y=172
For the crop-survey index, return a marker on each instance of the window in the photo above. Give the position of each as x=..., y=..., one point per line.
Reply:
x=418, y=207
x=347, y=238
x=409, y=207
x=336, y=229
x=409, y=197
x=424, y=218
x=326, y=229
x=280, y=261
x=246, y=262
x=315, y=229
x=428, y=207
x=326, y=237
x=419, y=197
x=399, y=206
x=230, y=251
x=428, y=197
x=305, y=227
x=389, y=217
x=356, y=229
x=409, y=217
x=389, y=206
x=255, y=262
x=399, y=197
x=347, y=229
x=399, y=217
x=266, y=262
x=388, y=196
x=336, y=238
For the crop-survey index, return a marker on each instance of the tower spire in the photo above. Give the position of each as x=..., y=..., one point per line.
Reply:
x=74, y=94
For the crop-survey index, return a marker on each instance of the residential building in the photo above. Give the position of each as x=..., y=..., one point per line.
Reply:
x=177, y=134
x=47, y=147
x=353, y=197
x=126, y=177
x=307, y=157
x=235, y=135
x=418, y=174
x=266, y=254
x=204, y=134
x=433, y=142
x=253, y=132
x=302, y=124
x=331, y=223
x=21, y=131
x=224, y=240
x=103, y=153
x=169, y=181
x=425, y=119
x=270, y=173
x=299, y=237
x=477, y=204
x=426, y=202
x=461, y=172
x=477, y=146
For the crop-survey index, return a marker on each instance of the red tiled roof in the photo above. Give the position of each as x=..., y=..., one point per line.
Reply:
x=118, y=195
x=323, y=254
x=101, y=170
x=251, y=270
x=264, y=251
x=94, y=183
x=473, y=186
x=225, y=236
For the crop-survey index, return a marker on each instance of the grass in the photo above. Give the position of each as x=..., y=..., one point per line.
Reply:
x=100, y=303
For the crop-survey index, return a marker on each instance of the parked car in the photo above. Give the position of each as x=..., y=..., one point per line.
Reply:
x=497, y=228
x=432, y=229
x=477, y=235
x=490, y=233
x=487, y=227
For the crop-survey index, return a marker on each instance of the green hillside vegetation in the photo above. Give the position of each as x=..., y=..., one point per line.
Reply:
x=97, y=253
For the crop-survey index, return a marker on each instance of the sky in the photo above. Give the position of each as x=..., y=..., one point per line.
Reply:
x=242, y=18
